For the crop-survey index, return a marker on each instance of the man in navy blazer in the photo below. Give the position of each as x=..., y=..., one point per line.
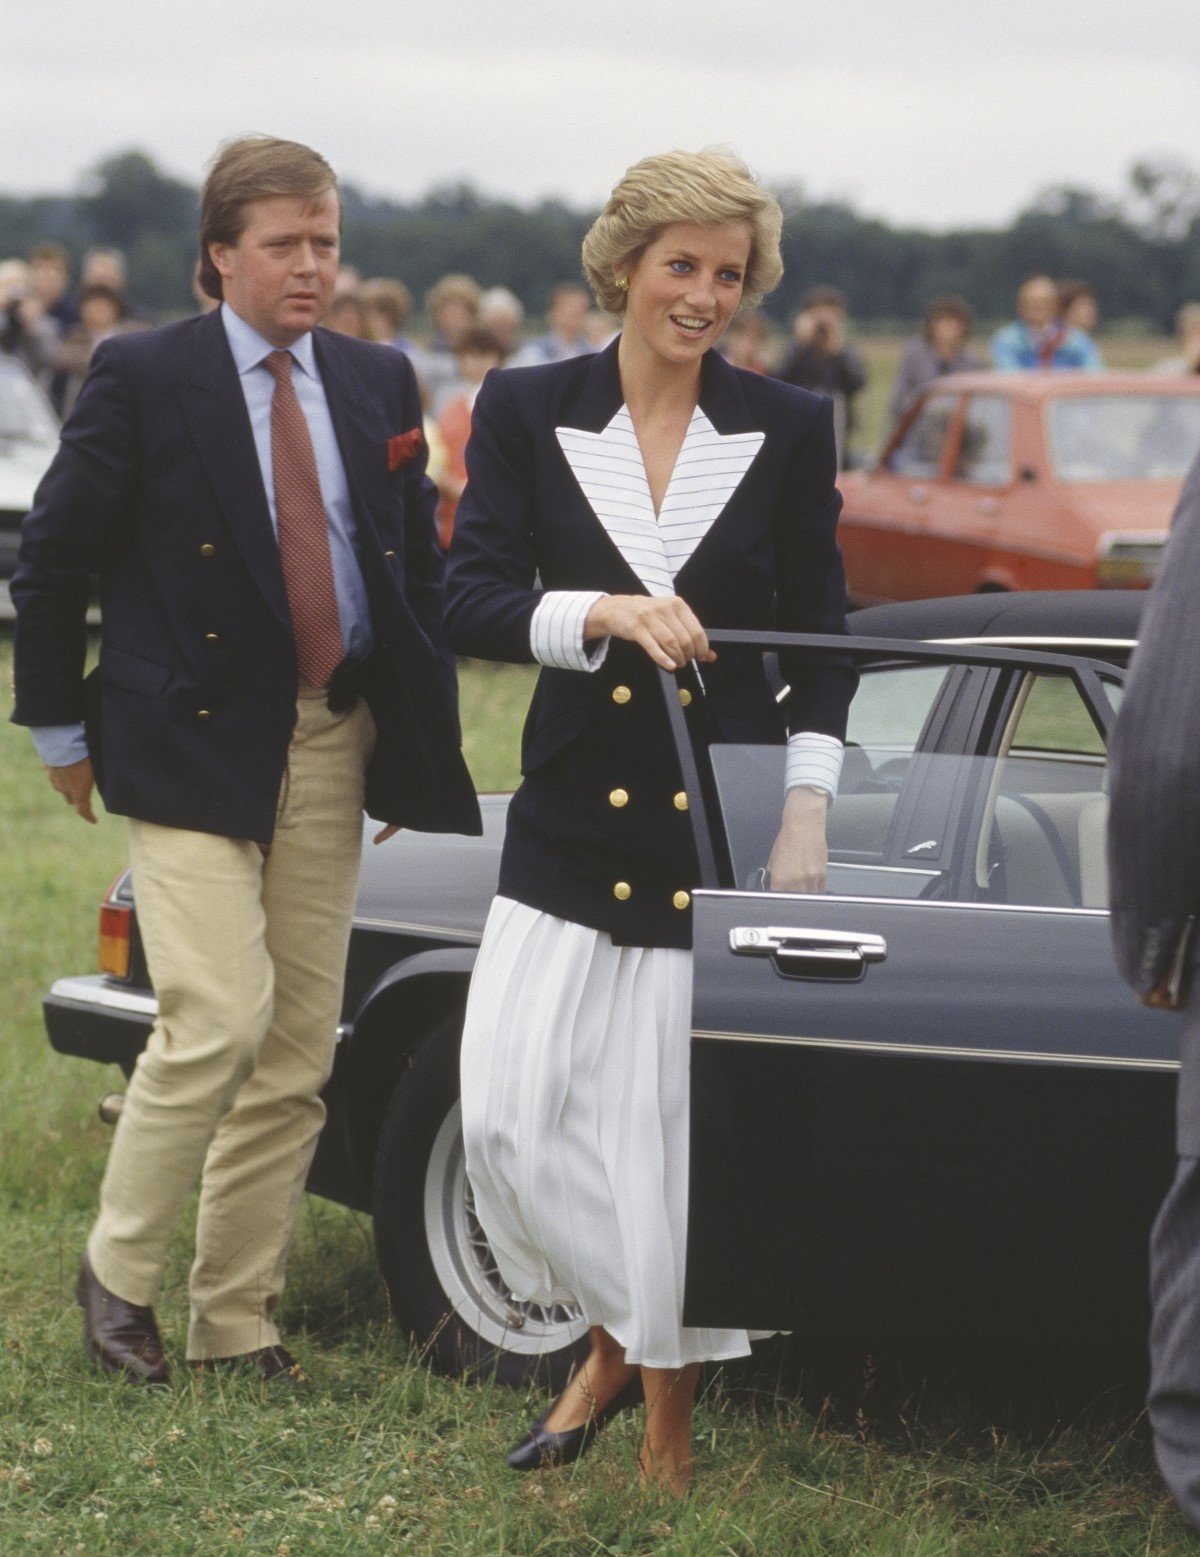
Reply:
x=251, y=493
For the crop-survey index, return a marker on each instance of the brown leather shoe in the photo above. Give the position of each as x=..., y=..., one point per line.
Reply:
x=270, y=1363
x=120, y=1336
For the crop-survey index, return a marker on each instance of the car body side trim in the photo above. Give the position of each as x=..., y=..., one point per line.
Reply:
x=906, y=902
x=944, y=1051
x=472, y=937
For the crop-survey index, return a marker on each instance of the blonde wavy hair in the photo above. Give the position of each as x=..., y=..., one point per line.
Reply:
x=707, y=188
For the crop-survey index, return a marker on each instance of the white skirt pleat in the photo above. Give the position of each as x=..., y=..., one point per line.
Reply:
x=575, y=1065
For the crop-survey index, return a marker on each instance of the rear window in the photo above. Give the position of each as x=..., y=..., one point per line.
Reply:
x=1124, y=437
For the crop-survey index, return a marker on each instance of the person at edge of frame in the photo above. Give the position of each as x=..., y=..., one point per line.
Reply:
x=251, y=491
x=1154, y=872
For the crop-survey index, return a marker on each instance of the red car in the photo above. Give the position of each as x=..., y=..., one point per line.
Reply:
x=1022, y=481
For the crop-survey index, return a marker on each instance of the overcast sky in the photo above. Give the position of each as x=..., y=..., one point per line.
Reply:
x=934, y=112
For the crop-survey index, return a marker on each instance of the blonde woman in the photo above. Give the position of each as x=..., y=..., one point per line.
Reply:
x=617, y=505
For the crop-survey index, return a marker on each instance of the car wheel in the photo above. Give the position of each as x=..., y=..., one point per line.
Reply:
x=442, y=1281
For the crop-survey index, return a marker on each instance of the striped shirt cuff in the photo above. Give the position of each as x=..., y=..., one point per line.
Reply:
x=556, y=630
x=814, y=761
x=60, y=745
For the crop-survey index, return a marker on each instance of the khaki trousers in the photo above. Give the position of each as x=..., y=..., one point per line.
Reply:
x=247, y=952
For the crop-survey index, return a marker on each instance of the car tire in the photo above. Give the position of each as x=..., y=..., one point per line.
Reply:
x=442, y=1282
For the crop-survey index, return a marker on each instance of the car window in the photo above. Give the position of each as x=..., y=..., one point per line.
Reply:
x=985, y=457
x=887, y=718
x=1043, y=839
x=919, y=453
x=24, y=411
x=1123, y=437
x=1024, y=827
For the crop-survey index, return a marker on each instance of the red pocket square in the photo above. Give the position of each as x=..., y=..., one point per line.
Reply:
x=403, y=447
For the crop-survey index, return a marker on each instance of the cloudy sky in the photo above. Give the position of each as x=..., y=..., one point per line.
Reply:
x=935, y=112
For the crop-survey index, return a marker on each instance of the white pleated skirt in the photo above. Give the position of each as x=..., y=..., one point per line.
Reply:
x=575, y=1062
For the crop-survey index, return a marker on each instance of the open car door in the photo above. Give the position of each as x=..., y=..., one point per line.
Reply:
x=923, y=1103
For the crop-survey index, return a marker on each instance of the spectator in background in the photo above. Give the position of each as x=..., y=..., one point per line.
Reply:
x=102, y=312
x=1078, y=307
x=453, y=304
x=26, y=330
x=50, y=283
x=105, y=268
x=1187, y=332
x=49, y=310
x=822, y=361
x=1038, y=338
x=14, y=276
x=388, y=304
x=570, y=303
x=347, y=316
x=940, y=348
x=503, y=313
x=745, y=341
x=479, y=351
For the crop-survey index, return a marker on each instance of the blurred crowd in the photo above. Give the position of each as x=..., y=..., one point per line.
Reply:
x=53, y=322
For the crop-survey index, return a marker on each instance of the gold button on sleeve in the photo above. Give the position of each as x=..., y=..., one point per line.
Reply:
x=682, y=899
x=211, y=638
x=208, y=551
x=618, y=798
x=622, y=891
x=621, y=694
x=685, y=697
x=202, y=713
x=389, y=554
x=680, y=802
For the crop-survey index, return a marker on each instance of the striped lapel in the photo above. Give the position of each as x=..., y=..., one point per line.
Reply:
x=707, y=473
x=608, y=466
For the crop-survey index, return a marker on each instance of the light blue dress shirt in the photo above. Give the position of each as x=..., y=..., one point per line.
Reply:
x=60, y=745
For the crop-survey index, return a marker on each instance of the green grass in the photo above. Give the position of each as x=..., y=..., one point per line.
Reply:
x=381, y=1455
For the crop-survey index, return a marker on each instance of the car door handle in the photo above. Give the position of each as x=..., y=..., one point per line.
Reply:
x=811, y=954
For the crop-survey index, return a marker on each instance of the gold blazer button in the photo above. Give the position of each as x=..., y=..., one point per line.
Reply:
x=681, y=899
x=203, y=713
x=619, y=798
x=685, y=697
x=622, y=891
x=207, y=550
x=212, y=638
x=389, y=554
x=681, y=800
x=621, y=694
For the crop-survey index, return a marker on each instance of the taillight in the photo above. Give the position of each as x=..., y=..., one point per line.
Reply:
x=116, y=923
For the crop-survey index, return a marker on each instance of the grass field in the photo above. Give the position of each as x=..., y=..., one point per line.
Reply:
x=380, y=1455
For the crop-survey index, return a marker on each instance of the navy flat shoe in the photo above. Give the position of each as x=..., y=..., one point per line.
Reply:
x=544, y=1450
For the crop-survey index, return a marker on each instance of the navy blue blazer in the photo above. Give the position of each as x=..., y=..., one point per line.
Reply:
x=601, y=809
x=156, y=489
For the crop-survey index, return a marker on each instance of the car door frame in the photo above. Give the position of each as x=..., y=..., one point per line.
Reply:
x=1091, y=1280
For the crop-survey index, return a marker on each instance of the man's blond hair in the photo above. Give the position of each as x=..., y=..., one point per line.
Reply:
x=254, y=167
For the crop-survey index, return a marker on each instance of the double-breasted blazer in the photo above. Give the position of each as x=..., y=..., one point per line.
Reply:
x=598, y=832
x=156, y=489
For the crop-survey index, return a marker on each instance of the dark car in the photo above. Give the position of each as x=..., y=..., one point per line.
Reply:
x=924, y=1106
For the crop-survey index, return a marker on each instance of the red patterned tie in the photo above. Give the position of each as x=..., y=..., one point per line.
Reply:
x=303, y=531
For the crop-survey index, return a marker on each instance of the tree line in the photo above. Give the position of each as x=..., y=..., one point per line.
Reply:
x=1139, y=249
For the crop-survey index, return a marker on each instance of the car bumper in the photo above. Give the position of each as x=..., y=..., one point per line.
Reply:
x=92, y=1018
